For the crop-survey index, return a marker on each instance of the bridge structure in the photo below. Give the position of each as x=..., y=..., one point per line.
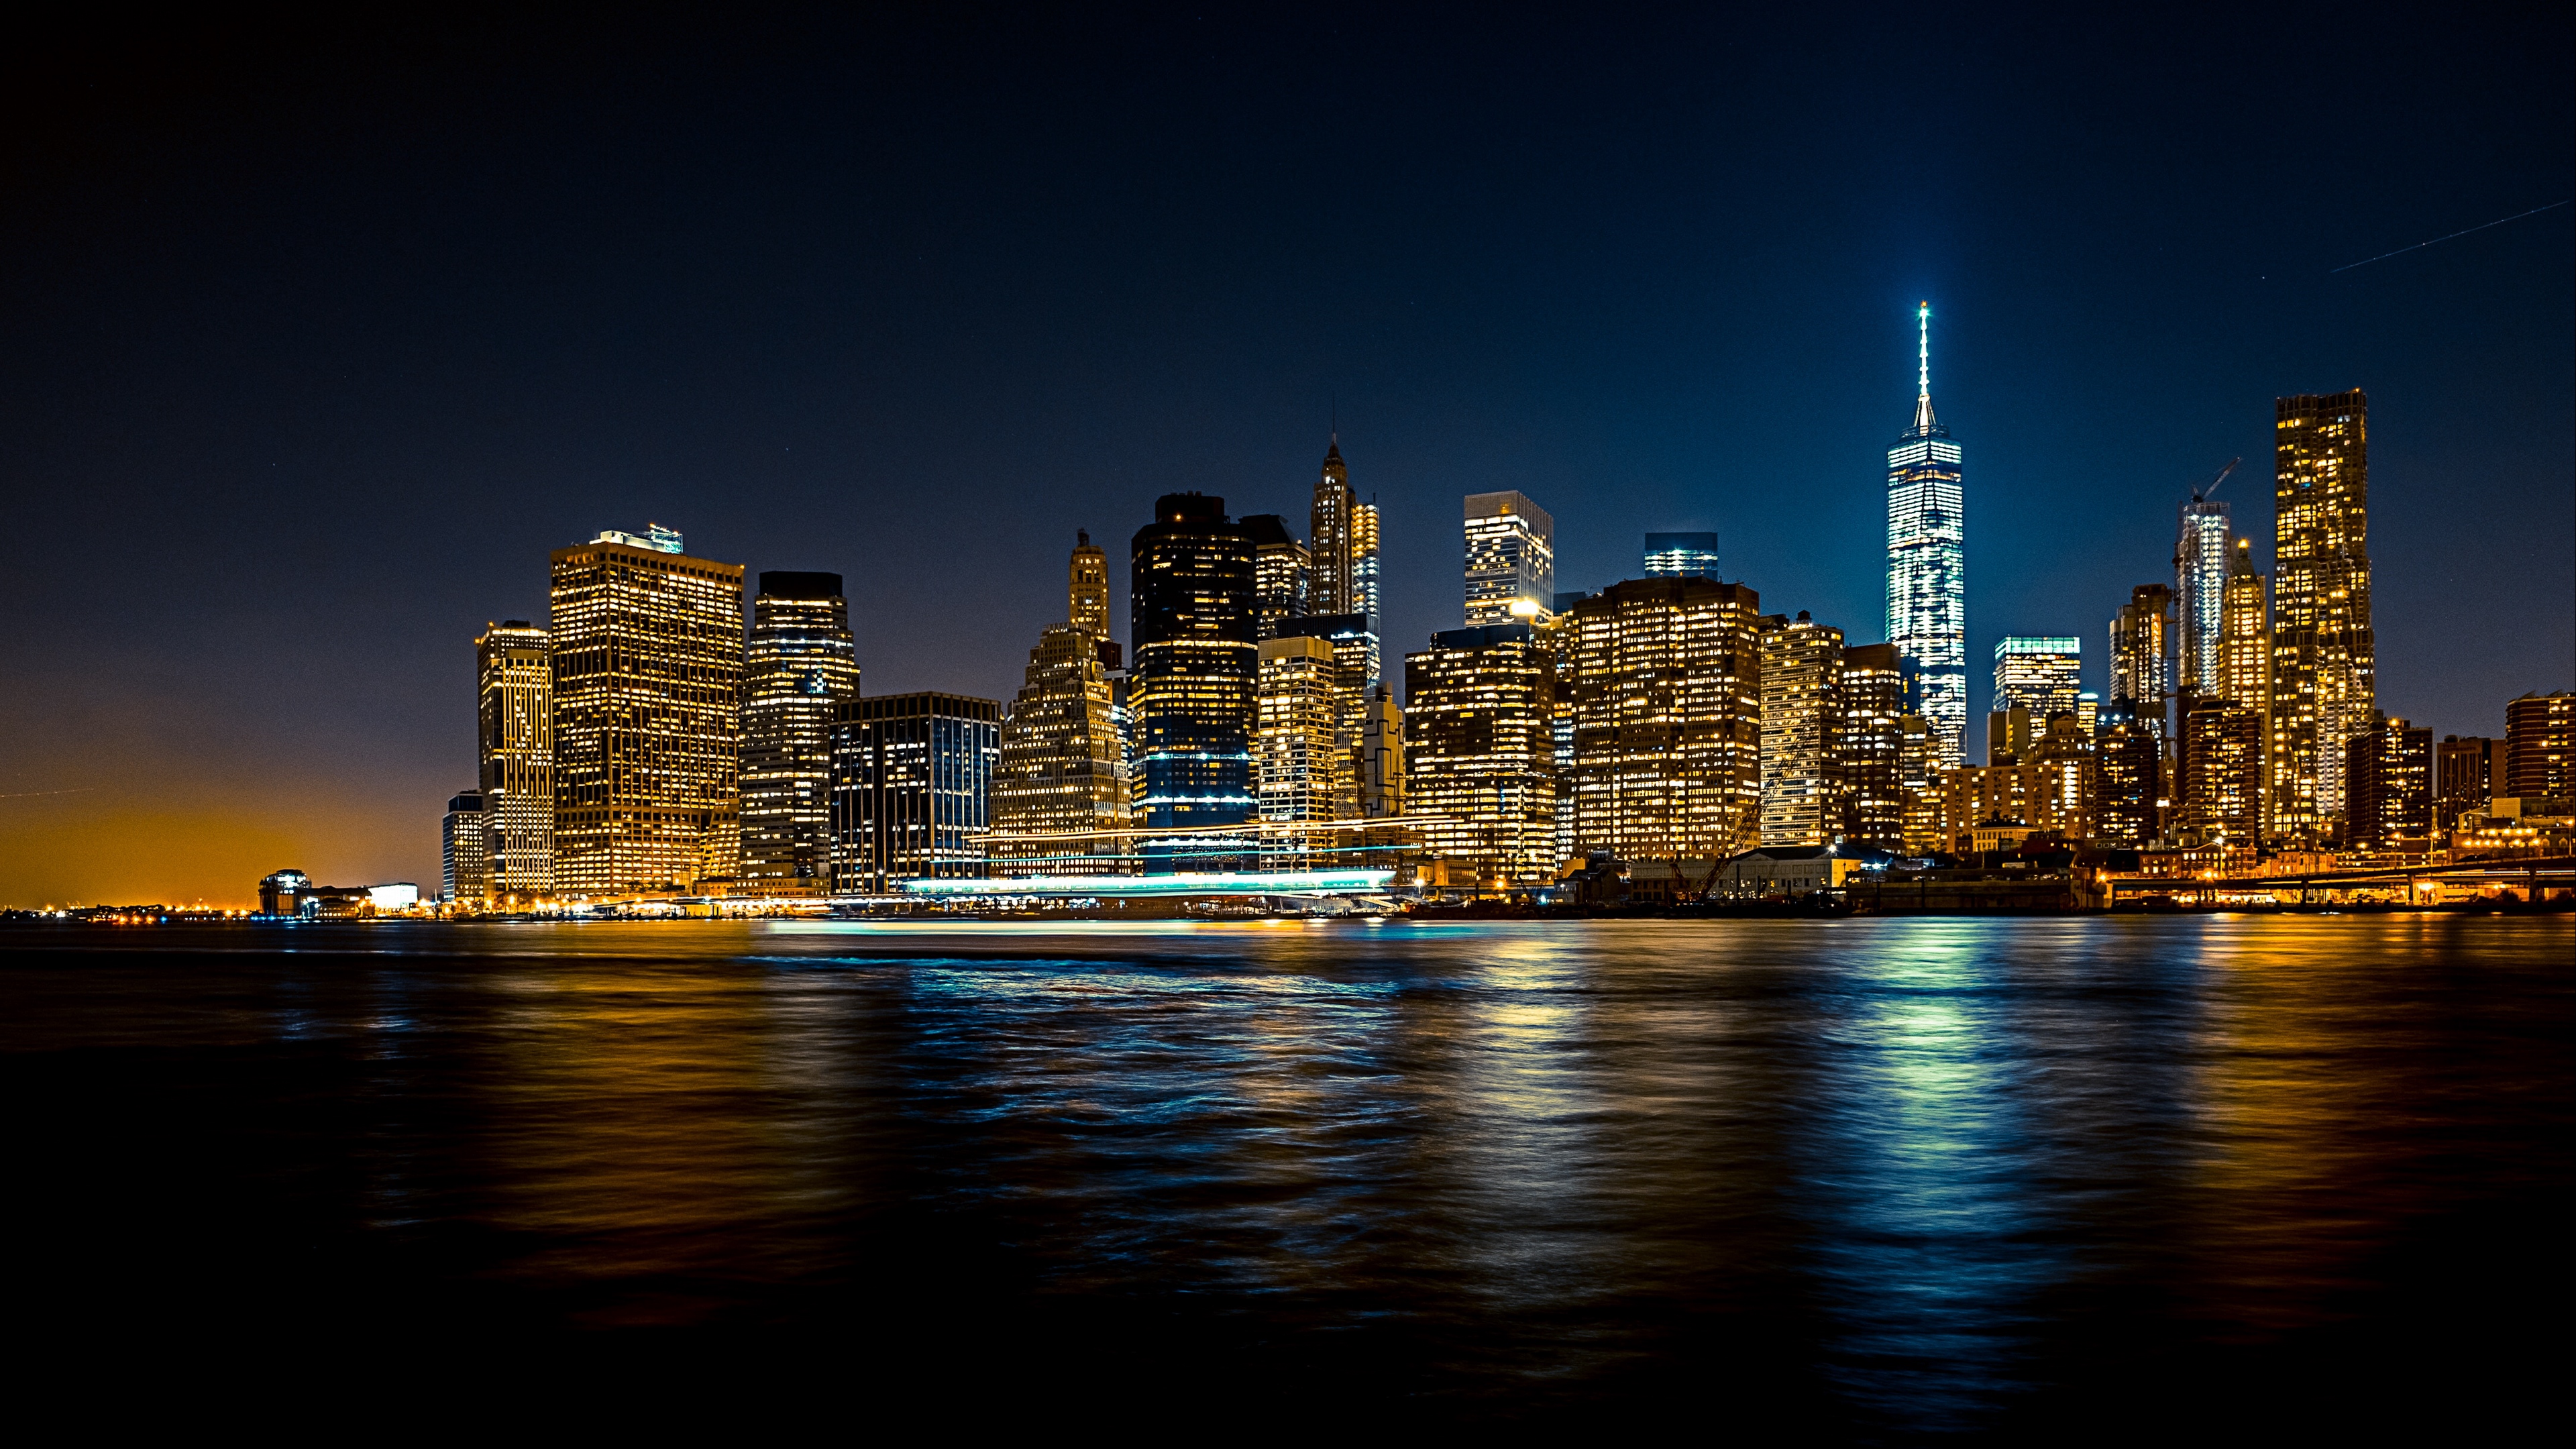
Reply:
x=2534, y=877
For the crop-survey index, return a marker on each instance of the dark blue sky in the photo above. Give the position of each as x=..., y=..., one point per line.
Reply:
x=317, y=341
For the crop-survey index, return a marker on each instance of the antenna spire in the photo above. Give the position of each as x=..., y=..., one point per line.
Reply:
x=1923, y=368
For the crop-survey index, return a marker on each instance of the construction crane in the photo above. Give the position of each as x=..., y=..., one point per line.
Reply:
x=2201, y=494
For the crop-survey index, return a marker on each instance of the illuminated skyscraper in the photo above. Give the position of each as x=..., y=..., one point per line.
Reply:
x=2129, y=779
x=1802, y=725
x=2244, y=633
x=2388, y=769
x=2540, y=746
x=1060, y=790
x=1190, y=604
x=515, y=774
x=1364, y=582
x=2324, y=658
x=1381, y=768
x=1479, y=761
x=2142, y=657
x=1681, y=555
x=802, y=662
x=2042, y=673
x=1354, y=648
x=1927, y=589
x=1279, y=569
x=1302, y=760
x=1667, y=683
x=1511, y=559
x=648, y=656
x=2222, y=790
x=1333, y=527
x=463, y=873
x=911, y=789
x=1872, y=746
x=2201, y=561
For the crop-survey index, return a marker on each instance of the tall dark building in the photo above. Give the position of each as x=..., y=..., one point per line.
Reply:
x=800, y=664
x=2130, y=781
x=2540, y=746
x=1872, y=744
x=911, y=787
x=2388, y=780
x=1191, y=607
x=1280, y=566
x=2468, y=774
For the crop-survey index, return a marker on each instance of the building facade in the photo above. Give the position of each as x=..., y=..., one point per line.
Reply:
x=1927, y=573
x=1666, y=678
x=2202, y=555
x=515, y=772
x=1279, y=569
x=2128, y=794
x=1302, y=758
x=1872, y=746
x=2388, y=774
x=1802, y=728
x=1191, y=612
x=911, y=789
x=1333, y=528
x=2540, y=746
x=2222, y=791
x=464, y=873
x=2324, y=655
x=1364, y=583
x=1681, y=556
x=1479, y=758
x=2468, y=776
x=1060, y=794
x=2041, y=673
x=648, y=657
x=1511, y=559
x=2142, y=658
x=1381, y=765
x=801, y=664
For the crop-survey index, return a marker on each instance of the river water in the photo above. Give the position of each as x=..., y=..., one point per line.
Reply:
x=1864, y=1178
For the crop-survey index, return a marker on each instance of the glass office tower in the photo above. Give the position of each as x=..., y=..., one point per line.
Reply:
x=802, y=662
x=1511, y=559
x=1191, y=607
x=1927, y=590
x=2324, y=660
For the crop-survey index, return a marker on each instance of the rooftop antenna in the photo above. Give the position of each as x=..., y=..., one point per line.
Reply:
x=1923, y=351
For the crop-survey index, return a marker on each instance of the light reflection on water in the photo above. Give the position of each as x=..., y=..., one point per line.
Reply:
x=1911, y=1174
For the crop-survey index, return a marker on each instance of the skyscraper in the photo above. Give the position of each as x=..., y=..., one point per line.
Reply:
x=2130, y=777
x=648, y=656
x=515, y=768
x=1927, y=589
x=2042, y=673
x=463, y=873
x=2222, y=794
x=1511, y=558
x=1681, y=555
x=1302, y=764
x=2201, y=562
x=802, y=662
x=1667, y=683
x=2468, y=775
x=911, y=789
x=1364, y=581
x=1381, y=767
x=2142, y=657
x=1190, y=605
x=2388, y=770
x=1279, y=571
x=2244, y=633
x=2540, y=746
x=1060, y=788
x=2324, y=658
x=1872, y=746
x=1480, y=764
x=1333, y=528
x=1802, y=724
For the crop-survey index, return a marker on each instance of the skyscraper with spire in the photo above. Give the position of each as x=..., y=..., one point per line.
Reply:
x=1927, y=590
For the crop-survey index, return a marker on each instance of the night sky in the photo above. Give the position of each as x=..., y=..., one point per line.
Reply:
x=314, y=342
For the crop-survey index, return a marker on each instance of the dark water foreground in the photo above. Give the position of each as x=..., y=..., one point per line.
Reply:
x=1878, y=1176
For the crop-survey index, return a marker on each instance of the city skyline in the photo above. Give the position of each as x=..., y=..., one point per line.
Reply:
x=1670, y=366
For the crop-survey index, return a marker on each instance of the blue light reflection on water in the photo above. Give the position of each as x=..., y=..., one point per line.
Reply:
x=1914, y=1160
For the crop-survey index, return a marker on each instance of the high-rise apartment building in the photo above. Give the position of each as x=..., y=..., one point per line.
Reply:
x=2468, y=776
x=1801, y=732
x=464, y=874
x=1365, y=580
x=802, y=662
x=648, y=657
x=2324, y=658
x=2042, y=673
x=1191, y=609
x=1872, y=746
x=1511, y=559
x=2061, y=777
x=1279, y=569
x=1354, y=648
x=1681, y=556
x=1060, y=792
x=1479, y=760
x=514, y=670
x=911, y=789
x=1333, y=526
x=2388, y=774
x=2540, y=746
x=1302, y=762
x=2201, y=561
x=2130, y=782
x=2244, y=634
x=2142, y=657
x=1667, y=683
x=1918, y=784
x=2222, y=791
x=1927, y=571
